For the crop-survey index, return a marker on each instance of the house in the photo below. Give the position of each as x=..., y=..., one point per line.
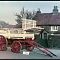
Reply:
x=51, y=24
x=50, y=21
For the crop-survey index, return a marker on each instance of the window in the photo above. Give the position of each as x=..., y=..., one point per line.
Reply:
x=54, y=28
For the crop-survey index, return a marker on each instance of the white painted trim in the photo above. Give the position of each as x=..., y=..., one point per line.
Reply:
x=56, y=28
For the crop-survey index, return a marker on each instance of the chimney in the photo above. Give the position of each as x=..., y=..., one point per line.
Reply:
x=38, y=10
x=55, y=10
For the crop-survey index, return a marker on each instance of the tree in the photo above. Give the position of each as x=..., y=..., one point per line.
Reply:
x=35, y=14
x=22, y=12
x=28, y=15
x=3, y=24
x=19, y=21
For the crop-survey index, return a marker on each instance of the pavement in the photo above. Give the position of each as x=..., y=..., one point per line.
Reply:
x=35, y=54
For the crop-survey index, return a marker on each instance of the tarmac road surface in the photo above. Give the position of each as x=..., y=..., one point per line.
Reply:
x=35, y=54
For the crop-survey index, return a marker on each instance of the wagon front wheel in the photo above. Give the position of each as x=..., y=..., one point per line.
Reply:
x=16, y=47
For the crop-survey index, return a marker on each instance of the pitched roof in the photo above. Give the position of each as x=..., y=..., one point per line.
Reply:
x=47, y=19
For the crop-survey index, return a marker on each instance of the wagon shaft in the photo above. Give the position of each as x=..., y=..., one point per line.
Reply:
x=44, y=50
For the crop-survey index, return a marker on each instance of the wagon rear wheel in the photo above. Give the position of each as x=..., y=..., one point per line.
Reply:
x=16, y=47
x=3, y=43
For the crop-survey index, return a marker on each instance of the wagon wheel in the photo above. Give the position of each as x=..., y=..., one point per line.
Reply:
x=16, y=47
x=30, y=45
x=3, y=47
x=3, y=43
x=30, y=48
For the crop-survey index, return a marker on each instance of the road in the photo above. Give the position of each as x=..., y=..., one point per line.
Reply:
x=35, y=54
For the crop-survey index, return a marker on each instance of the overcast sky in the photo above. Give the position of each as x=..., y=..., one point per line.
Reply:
x=8, y=9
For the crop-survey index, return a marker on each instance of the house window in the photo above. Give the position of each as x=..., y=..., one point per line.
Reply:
x=54, y=28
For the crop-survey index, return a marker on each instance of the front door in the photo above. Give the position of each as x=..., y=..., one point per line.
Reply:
x=45, y=35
